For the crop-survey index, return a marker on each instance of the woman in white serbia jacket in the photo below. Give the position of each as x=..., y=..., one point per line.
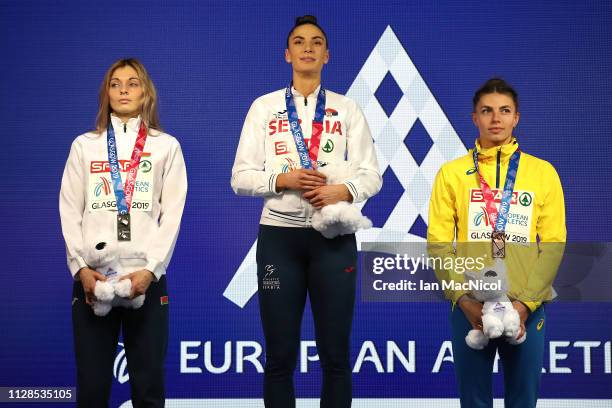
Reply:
x=287, y=135
x=139, y=234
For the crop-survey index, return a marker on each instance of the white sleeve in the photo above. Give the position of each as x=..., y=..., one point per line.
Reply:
x=249, y=176
x=172, y=202
x=361, y=155
x=71, y=206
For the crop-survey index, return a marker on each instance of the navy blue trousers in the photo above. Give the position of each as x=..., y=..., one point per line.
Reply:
x=145, y=337
x=291, y=263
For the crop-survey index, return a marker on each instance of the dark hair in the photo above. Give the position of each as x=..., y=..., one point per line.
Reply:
x=496, y=85
x=307, y=19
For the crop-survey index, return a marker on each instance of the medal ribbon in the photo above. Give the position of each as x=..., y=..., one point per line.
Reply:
x=307, y=156
x=124, y=195
x=499, y=217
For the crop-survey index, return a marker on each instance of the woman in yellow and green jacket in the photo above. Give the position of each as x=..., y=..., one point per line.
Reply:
x=461, y=223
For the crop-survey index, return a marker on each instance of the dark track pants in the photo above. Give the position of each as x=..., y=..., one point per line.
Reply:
x=145, y=337
x=522, y=364
x=290, y=263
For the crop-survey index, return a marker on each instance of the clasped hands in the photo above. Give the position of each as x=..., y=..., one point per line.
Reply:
x=313, y=183
x=473, y=312
x=140, y=282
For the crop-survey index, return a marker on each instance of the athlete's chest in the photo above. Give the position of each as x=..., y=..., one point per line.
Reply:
x=281, y=138
x=478, y=210
x=147, y=173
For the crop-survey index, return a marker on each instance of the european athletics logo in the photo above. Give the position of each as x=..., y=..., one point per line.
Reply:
x=102, y=186
x=483, y=215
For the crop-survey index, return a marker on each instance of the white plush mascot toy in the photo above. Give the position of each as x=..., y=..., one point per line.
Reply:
x=343, y=217
x=498, y=315
x=103, y=257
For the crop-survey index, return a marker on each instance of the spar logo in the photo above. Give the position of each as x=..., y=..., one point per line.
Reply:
x=412, y=137
x=525, y=199
x=329, y=146
x=102, y=166
x=102, y=187
x=120, y=371
x=477, y=196
x=145, y=166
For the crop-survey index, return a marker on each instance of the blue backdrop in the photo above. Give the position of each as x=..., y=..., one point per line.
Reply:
x=209, y=61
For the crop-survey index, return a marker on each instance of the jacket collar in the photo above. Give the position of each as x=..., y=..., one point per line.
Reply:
x=295, y=92
x=491, y=153
x=133, y=123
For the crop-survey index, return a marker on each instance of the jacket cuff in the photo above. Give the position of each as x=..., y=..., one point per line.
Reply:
x=75, y=264
x=532, y=305
x=272, y=184
x=156, y=267
x=352, y=190
x=457, y=294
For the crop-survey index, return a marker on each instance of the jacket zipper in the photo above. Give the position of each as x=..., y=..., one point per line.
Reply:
x=125, y=128
x=497, y=172
x=305, y=101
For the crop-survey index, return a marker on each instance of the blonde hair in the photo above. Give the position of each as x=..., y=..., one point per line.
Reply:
x=149, y=106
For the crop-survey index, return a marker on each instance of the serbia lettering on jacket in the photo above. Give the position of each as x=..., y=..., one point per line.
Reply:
x=282, y=125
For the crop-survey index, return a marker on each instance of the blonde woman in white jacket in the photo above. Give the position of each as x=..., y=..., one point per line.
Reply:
x=287, y=136
x=124, y=186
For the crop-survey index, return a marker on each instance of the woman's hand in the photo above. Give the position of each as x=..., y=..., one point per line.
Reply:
x=140, y=282
x=523, y=312
x=88, y=278
x=326, y=195
x=472, y=310
x=300, y=179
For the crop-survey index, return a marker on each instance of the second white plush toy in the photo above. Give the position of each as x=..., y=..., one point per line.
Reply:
x=113, y=292
x=343, y=217
x=498, y=315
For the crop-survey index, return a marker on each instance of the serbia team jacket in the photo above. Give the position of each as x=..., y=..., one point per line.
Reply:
x=267, y=148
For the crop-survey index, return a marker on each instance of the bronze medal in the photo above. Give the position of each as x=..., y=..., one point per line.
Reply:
x=498, y=239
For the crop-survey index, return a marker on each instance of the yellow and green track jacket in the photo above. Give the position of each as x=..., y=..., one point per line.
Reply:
x=535, y=231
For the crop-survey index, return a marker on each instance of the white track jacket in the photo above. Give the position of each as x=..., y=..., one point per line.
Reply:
x=267, y=148
x=87, y=204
